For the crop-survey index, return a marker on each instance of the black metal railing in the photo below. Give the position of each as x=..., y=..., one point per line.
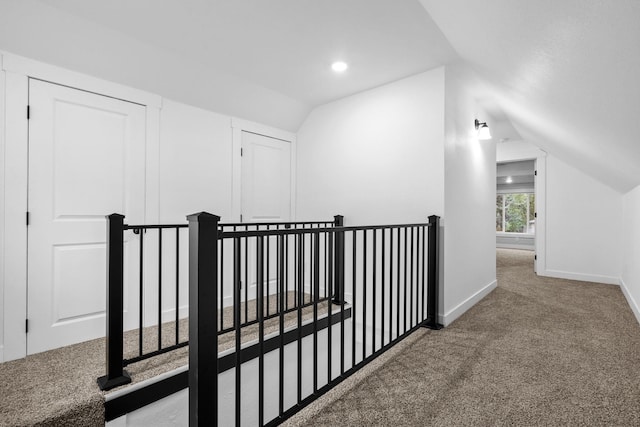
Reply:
x=157, y=267
x=320, y=298
x=387, y=274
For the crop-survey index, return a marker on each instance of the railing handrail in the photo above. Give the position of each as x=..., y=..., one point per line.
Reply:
x=225, y=224
x=281, y=232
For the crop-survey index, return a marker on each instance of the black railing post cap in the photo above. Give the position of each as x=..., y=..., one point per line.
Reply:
x=203, y=216
x=115, y=216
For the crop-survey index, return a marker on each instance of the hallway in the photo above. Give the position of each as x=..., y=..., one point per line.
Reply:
x=536, y=351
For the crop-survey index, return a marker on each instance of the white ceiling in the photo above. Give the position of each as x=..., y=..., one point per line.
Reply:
x=566, y=73
x=284, y=45
x=562, y=74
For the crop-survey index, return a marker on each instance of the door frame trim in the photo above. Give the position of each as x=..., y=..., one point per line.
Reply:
x=238, y=126
x=16, y=72
x=541, y=206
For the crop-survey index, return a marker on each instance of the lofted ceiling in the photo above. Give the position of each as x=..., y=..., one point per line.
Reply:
x=560, y=74
x=565, y=73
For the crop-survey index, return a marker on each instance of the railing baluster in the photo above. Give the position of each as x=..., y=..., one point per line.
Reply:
x=299, y=294
x=353, y=301
x=260, y=314
x=422, y=258
x=404, y=276
x=316, y=294
x=221, y=264
x=237, y=243
x=159, y=288
x=281, y=264
x=364, y=295
x=411, y=277
x=398, y=285
x=329, y=301
x=390, y=285
x=374, y=290
x=141, y=293
x=268, y=275
x=177, y=285
x=382, y=284
x=246, y=279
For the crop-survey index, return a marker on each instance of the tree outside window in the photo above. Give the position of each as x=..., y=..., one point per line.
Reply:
x=515, y=213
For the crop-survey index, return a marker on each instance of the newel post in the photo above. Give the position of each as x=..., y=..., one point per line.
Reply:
x=115, y=374
x=203, y=323
x=433, y=273
x=338, y=292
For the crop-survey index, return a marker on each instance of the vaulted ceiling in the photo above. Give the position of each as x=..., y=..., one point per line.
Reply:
x=561, y=74
x=565, y=73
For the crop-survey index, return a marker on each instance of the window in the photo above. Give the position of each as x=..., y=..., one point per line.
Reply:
x=515, y=213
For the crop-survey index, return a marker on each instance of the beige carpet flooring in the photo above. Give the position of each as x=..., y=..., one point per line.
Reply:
x=535, y=352
x=58, y=387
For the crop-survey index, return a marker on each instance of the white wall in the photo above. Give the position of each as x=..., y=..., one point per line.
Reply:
x=630, y=279
x=584, y=219
x=382, y=156
x=470, y=191
x=375, y=157
x=195, y=162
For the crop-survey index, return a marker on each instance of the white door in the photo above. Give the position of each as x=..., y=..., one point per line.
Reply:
x=266, y=194
x=86, y=160
x=266, y=178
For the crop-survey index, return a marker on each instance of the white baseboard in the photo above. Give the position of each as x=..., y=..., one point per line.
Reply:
x=595, y=278
x=632, y=302
x=515, y=246
x=461, y=308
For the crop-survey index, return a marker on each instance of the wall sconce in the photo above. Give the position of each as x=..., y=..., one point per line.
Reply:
x=483, y=130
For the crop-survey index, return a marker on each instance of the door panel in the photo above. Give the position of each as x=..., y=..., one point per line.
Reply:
x=266, y=178
x=266, y=193
x=86, y=160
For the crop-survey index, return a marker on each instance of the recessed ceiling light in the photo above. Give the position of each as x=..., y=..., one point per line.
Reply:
x=509, y=180
x=339, y=66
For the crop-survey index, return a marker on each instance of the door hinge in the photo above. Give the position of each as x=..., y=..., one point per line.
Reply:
x=535, y=257
x=28, y=112
x=241, y=152
x=535, y=173
x=26, y=326
x=240, y=217
x=27, y=217
x=535, y=215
